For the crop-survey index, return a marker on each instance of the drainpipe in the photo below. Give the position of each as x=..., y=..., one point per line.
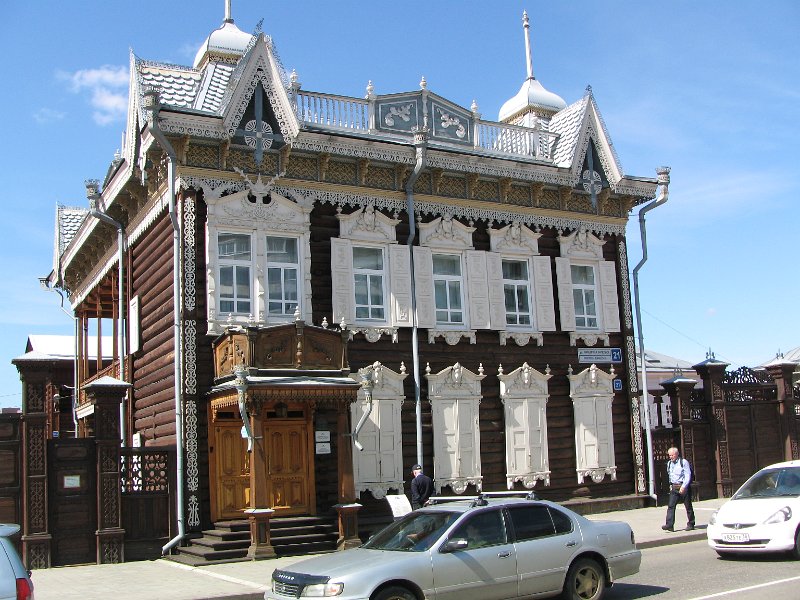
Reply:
x=93, y=194
x=663, y=180
x=153, y=107
x=421, y=146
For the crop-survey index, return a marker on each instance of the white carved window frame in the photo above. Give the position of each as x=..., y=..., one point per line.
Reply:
x=448, y=236
x=369, y=228
x=378, y=468
x=592, y=393
x=582, y=247
x=455, y=392
x=518, y=242
x=279, y=217
x=524, y=393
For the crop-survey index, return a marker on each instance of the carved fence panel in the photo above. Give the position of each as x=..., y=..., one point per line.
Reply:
x=147, y=480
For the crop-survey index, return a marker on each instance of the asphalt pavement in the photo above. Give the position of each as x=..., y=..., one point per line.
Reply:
x=248, y=580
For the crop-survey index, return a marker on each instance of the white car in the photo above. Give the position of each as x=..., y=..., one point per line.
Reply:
x=15, y=580
x=484, y=549
x=762, y=516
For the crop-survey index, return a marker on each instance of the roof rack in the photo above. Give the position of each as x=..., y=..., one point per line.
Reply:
x=482, y=498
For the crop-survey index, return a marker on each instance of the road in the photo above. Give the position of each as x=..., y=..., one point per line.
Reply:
x=692, y=571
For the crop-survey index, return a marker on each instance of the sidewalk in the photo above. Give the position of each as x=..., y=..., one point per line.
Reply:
x=248, y=580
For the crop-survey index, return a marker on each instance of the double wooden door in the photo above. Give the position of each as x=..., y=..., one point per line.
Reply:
x=288, y=474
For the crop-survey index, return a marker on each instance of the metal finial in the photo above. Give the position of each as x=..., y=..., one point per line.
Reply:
x=526, y=27
x=423, y=84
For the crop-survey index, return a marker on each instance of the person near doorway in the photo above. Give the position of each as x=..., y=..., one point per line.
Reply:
x=421, y=487
x=679, y=472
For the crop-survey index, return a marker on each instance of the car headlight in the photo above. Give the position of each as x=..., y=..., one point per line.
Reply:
x=713, y=519
x=781, y=516
x=322, y=590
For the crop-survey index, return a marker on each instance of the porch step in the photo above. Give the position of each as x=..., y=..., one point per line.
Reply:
x=229, y=540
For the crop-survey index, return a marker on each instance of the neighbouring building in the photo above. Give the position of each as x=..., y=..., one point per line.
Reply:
x=318, y=291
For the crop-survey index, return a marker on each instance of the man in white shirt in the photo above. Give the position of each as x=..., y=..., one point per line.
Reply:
x=680, y=489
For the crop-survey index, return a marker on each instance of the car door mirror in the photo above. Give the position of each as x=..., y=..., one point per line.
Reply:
x=455, y=544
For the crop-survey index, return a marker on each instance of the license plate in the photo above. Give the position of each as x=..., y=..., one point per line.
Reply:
x=735, y=537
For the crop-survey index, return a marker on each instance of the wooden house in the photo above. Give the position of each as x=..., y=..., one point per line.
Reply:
x=316, y=291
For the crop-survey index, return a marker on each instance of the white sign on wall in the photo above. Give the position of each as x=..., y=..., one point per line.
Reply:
x=599, y=355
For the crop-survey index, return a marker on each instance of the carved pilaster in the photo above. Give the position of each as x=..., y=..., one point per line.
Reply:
x=324, y=160
x=782, y=374
x=224, y=151
x=285, y=153
x=400, y=173
x=564, y=196
x=472, y=183
x=363, y=169
x=505, y=188
x=436, y=179
x=712, y=372
x=537, y=188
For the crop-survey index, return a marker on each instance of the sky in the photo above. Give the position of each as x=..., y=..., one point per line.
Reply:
x=711, y=93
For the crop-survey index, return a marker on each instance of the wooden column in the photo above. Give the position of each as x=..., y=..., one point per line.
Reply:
x=347, y=509
x=781, y=372
x=105, y=395
x=36, y=538
x=712, y=372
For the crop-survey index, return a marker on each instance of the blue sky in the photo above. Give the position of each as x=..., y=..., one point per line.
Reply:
x=709, y=90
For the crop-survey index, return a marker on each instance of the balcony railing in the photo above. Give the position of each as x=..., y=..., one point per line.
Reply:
x=343, y=113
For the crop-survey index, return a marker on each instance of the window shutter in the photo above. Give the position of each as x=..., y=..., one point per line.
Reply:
x=423, y=274
x=497, y=300
x=390, y=440
x=469, y=438
x=586, y=442
x=608, y=289
x=366, y=462
x=342, y=273
x=445, y=438
x=543, y=294
x=566, y=305
x=537, y=435
x=477, y=297
x=516, y=437
x=399, y=276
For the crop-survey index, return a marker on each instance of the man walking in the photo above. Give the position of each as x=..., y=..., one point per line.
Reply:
x=421, y=487
x=680, y=489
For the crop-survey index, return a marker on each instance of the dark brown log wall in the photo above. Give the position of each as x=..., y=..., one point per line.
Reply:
x=152, y=376
x=556, y=352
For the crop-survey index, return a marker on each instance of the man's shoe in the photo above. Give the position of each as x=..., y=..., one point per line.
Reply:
x=667, y=528
x=690, y=527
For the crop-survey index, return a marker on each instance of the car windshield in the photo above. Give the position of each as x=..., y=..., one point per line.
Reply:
x=416, y=532
x=771, y=482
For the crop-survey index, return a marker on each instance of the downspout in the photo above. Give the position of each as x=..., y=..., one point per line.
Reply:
x=421, y=146
x=152, y=105
x=663, y=180
x=92, y=193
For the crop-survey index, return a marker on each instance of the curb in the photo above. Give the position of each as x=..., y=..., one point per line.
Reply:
x=669, y=541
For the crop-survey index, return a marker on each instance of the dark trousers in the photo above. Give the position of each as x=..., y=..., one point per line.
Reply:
x=675, y=498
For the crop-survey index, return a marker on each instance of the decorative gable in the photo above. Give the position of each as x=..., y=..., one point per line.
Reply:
x=367, y=224
x=447, y=233
x=515, y=239
x=581, y=244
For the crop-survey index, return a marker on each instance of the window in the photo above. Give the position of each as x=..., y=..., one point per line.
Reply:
x=583, y=296
x=531, y=522
x=516, y=291
x=447, y=285
x=483, y=529
x=368, y=278
x=234, y=273
x=282, y=268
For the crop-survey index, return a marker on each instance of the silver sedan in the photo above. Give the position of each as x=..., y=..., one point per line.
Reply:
x=483, y=549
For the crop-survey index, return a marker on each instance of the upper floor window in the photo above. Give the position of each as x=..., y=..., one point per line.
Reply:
x=368, y=280
x=584, y=292
x=283, y=264
x=234, y=273
x=447, y=285
x=516, y=291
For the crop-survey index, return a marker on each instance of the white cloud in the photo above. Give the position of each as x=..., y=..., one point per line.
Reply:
x=107, y=87
x=44, y=116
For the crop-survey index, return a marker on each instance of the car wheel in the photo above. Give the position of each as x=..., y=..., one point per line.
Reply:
x=795, y=552
x=586, y=580
x=394, y=593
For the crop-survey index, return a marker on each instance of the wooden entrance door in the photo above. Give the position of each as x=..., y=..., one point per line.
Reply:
x=231, y=491
x=290, y=483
